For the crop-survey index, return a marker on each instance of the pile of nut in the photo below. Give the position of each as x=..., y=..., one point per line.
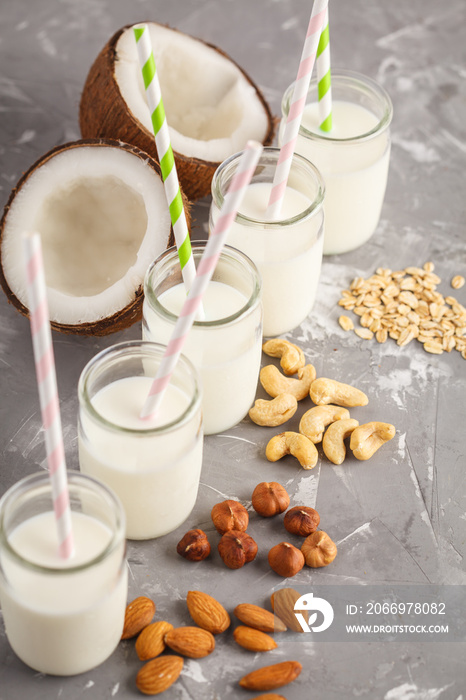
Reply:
x=237, y=547
x=332, y=398
x=210, y=617
x=405, y=305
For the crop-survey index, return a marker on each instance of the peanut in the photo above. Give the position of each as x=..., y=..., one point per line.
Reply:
x=367, y=438
x=314, y=421
x=275, y=383
x=275, y=412
x=295, y=444
x=291, y=356
x=325, y=391
x=333, y=443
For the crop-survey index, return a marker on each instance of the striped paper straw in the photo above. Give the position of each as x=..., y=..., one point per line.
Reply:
x=48, y=394
x=297, y=104
x=231, y=203
x=324, y=86
x=165, y=153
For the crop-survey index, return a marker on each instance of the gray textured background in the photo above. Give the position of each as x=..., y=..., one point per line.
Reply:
x=399, y=517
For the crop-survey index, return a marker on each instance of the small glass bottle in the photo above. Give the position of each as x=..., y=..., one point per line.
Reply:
x=225, y=346
x=153, y=466
x=353, y=157
x=62, y=616
x=287, y=251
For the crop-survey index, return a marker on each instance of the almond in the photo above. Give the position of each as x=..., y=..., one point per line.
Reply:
x=190, y=641
x=253, y=640
x=138, y=615
x=159, y=674
x=259, y=618
x=283, y=602
x=271, y=677
x=150, y=642
x=207, y=612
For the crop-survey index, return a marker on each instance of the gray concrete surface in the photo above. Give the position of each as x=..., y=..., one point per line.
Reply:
x=398, y=518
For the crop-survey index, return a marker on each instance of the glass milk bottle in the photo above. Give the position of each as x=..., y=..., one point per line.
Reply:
x=62, y=616
x=226, y=345
x=353, y=157
x=153, y=465
x=287, y=251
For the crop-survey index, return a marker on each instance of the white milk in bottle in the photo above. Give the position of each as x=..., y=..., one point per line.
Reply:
x=225, y=346
x=353, y=157
x=287, y=251
x=62, y=616
x=153, y=465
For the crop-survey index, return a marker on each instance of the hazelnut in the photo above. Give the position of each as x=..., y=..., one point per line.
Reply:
x=270, y=498
x=319, y=549
x=301, y=520
x=237, y=548
x=229, y=515
x=194, y=545
x=286, y=559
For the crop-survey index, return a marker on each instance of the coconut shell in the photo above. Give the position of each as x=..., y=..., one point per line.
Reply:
x=133, y=311
x=104, y=113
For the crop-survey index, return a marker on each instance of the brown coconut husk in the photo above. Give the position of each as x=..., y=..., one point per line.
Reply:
x=104, y=113
x=133, y=311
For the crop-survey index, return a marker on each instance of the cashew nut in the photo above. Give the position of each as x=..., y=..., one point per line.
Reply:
x=275, y=383
x=274, y=412
x=292, y=444
x=324, y=391
x=333, y=443
x=314, y=421
x=292, y=357
x=367, y=438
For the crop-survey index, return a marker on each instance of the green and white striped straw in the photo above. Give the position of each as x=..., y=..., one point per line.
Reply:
x=324, y=87
x=165, y=153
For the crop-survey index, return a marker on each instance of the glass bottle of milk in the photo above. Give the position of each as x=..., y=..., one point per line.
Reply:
x=153, y=465
x=62, y=616
x=353, y=157
x=225, y=345
x=287, y=251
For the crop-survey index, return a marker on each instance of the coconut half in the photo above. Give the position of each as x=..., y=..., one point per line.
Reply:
x=101, y=210
x=212, y=106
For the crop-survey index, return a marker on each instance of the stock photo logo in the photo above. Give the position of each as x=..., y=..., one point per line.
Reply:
x=382, y=612
x=313, y=606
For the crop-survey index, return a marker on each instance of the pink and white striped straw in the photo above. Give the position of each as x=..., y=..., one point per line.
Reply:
x=231, y=203
x=48, y=394
x=297, y=104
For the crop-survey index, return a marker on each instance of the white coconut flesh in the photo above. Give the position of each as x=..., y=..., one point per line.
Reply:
x=103, y=217
x=211, y=109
